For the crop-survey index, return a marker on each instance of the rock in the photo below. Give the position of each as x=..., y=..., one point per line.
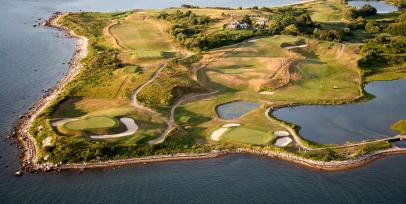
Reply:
x=18, y=173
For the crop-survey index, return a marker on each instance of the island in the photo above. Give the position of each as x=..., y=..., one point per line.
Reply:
x=196, y=83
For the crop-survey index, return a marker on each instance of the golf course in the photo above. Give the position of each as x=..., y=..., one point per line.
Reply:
x=194, y=80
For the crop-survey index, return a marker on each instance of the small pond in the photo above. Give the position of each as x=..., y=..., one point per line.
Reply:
x=381, y=6
x=352, y=122
x=235, y=109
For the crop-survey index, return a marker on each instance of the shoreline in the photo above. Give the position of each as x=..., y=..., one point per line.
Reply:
x=29, y=148
x=21, y=131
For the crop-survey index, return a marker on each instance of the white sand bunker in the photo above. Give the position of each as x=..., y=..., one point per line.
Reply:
x=283, y=142
x=297, y=46
x=267, y=93
x=63, y=121
x=281, y=133
x=231, y=125
x=129, y=124
x=216, y=135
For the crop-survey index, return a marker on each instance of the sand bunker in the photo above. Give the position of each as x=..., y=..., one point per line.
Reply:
x=231, y=125
x=281, y=133
x=283, y=142
x=266, y=92
x=63, y=121
x=216, y=135
x=129, y=124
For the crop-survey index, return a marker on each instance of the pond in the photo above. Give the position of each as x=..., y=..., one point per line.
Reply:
x=381, y=6
x=352, y=122
x=235, y=109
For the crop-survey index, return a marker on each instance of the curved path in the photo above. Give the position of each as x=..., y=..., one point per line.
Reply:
x=171, y=122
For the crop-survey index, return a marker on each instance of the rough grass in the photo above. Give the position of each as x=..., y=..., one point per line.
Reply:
x=399, y=126
x=247, y=66
x=173, y=82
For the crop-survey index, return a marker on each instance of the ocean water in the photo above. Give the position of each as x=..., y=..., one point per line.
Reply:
x=31, y=60
x=381, y=6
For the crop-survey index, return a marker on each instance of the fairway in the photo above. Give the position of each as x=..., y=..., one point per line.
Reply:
x=97, y=122
x=245, y=135
x=143, y=36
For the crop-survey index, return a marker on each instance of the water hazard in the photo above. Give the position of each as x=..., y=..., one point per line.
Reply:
x=235, y=109
x=352, y=122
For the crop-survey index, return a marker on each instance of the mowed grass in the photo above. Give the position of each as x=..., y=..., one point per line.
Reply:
x=245, y=135
x=325, y=10
x=96, y=122
x=143, y=36
x=329, y=72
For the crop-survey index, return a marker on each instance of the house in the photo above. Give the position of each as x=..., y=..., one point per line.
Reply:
x=262, y=21
x=238, y=25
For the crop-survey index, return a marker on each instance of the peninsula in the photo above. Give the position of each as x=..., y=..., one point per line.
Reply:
x=194, y=83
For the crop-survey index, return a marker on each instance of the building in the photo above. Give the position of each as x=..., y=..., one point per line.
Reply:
x=262, y=21
x=238, y=25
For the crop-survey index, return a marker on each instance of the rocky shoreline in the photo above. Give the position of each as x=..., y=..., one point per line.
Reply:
x=28, y=149
x=21, y=131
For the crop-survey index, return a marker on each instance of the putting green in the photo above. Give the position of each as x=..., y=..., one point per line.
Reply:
x=96, y=122
x=246, y=135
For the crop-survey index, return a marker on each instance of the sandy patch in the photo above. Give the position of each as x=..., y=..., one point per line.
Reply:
x=63, y=121
x=283, y=142
x=298, y=46
x=215, y=135
x=129, y=124
x=231, y=125
x=266, y=92
x=281, y=133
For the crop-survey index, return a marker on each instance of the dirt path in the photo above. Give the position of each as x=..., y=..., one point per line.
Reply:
x=340, y=51
x=171, y=122
x=134, y=100
x=120, y=88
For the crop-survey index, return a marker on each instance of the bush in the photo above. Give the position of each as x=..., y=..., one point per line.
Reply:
x=372, y=27
x=398, y=27
x=383, y=50
x=328, y=35
x=364, y=11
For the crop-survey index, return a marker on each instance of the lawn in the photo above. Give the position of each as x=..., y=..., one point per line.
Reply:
x=245, y=135
x=143, y=36
x=95, y=122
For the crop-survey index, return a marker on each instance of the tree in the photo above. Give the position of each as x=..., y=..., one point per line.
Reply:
x=246, y=19
x=291, y=30
x=372, y=27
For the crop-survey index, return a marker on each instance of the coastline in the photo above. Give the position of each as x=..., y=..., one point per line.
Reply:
x=28, y=152
x=21, y=131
